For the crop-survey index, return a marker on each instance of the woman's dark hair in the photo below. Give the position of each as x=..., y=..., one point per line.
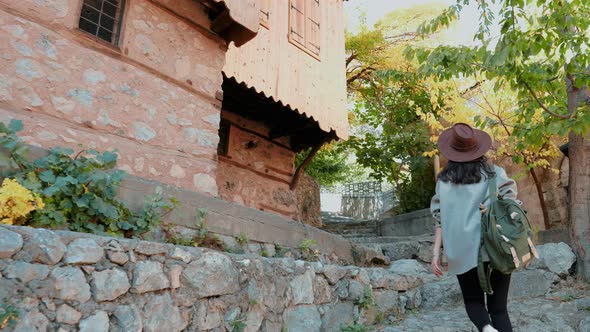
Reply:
x=467, y=172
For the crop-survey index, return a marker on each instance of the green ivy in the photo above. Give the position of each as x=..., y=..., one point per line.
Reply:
x=356, y=327
x=79, y=191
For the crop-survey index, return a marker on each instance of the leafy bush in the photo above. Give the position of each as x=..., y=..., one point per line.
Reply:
x=416, y=190
x=79, y=192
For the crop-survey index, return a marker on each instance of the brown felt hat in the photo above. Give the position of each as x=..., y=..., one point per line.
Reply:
x=461, y=143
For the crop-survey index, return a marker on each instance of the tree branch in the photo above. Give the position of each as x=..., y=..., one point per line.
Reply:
x=350, y=58
x=358, y=75
x=540, y=103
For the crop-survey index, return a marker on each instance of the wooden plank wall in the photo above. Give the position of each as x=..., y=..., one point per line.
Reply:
x=272, y=64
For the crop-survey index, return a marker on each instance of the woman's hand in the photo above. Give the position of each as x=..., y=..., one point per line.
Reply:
x=435, y=264
x=482, y=208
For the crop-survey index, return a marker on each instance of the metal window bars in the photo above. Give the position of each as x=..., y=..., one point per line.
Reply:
x=102, y=19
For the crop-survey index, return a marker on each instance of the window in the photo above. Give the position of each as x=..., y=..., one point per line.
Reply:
x=265, y=13
x=304, y=25
x=102, y=19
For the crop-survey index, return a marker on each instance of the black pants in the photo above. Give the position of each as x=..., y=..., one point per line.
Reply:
x=475, y=300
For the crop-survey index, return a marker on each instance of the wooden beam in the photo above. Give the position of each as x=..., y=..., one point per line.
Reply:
x=292, y=130
x=222, y=22
x=309, y=157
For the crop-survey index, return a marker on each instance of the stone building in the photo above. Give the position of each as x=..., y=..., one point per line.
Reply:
x=214, y=96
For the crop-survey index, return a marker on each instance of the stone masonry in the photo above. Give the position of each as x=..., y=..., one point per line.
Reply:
x=64, y=281
x=152, y=97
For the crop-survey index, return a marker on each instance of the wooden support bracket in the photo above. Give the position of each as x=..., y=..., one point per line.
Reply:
x=309, y=157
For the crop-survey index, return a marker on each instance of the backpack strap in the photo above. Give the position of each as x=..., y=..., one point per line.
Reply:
x=492, y=190
x=483, y=275
x=484, y=278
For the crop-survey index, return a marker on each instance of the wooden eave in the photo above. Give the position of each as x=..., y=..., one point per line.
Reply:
x=234, y=20
x=282, y=120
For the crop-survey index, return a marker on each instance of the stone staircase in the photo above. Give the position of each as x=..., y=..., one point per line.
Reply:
x=545, y=298
x=353, y=229
x=366, y=233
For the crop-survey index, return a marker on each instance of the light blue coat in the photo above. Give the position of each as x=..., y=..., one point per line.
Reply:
x=456, y=207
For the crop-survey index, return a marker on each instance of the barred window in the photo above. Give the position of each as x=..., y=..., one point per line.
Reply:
x=304, y=25
x=102, y=19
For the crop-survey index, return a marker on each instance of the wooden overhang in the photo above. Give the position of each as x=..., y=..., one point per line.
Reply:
x=283, y=121
x=234, y=20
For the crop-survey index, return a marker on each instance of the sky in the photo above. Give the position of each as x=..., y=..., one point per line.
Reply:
x=461, y=33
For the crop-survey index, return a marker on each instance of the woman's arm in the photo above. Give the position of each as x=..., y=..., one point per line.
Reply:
x=436, y=269
x=435, y=210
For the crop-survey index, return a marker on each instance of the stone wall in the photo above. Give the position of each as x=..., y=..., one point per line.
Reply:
x=63, y=281
x=409, y=224
x=362, y=208
x=152, y=98
x=260, y=230
x=555, y=192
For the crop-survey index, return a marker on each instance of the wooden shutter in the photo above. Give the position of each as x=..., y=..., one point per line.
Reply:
x=297, y=21
x=265, y=12
x=312, y=26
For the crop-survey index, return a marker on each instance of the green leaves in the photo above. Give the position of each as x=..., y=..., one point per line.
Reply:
x=541, y=54
x=80, y=192
x=47, y=176
x=15, y=125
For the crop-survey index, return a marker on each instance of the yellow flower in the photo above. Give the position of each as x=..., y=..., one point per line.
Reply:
x=17, y=202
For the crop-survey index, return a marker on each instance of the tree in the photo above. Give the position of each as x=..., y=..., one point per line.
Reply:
x=542, y=53
x=331, y=165
x=389, y=95
x=496, y=112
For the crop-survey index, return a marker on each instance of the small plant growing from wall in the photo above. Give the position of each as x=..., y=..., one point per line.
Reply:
x=367, y=301
x=355, y=327
x=238, y=325
x=243, y=239
x=203, y=238
x=280, y=251
x=307, y=249
x=8, y=315
x=234, y=250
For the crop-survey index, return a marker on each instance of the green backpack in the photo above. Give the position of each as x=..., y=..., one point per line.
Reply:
x=506, y=235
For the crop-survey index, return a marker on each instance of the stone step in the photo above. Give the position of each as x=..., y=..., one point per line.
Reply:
x=339, y=226
x=350, y=222
x=336, y=228
x=361, y=231
x=391, y=239
x=357, y=236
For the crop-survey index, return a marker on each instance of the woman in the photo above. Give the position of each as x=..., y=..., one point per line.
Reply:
x=461, y=188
